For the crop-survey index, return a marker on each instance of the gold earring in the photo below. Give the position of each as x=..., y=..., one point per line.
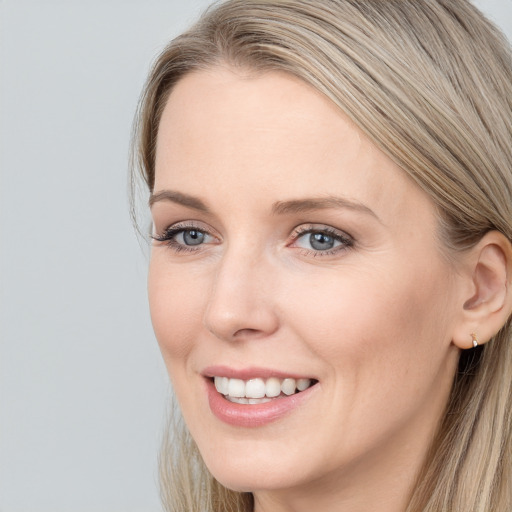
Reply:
x=475, y=340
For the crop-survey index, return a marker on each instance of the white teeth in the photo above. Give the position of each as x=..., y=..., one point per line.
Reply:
x=273, y=387
x=254, y=401
x=246, y=401
x=222, y=385
x=288, y=386
x=303, y=384
x=255, y=388
x=236, y=388
x=255, y=391
x=237, y=400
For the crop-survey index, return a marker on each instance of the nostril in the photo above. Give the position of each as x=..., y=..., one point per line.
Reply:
x=241, y=333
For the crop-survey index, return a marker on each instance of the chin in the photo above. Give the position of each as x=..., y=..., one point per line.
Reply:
x=247, y=479
x=257, y=466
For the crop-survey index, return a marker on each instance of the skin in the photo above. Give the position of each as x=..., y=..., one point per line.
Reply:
x=371, y=320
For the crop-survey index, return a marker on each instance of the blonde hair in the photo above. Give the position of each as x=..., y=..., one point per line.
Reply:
x=430, y=83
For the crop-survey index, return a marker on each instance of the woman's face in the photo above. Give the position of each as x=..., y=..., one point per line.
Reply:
x=290, y=247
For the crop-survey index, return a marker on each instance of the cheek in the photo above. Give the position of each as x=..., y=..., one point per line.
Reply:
x=383, y=346
x=176, y=305
x=374, y=321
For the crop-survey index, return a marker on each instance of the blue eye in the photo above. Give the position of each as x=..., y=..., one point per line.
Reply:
x=190, y=237
x=322, y=240
x=184, y=238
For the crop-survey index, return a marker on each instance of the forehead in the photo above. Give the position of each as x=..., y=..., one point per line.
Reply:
x=270, y=133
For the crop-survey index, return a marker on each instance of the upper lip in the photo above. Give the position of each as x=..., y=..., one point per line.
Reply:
x=250, y=373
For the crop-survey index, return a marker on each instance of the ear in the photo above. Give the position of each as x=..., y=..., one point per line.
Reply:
x=487, y=301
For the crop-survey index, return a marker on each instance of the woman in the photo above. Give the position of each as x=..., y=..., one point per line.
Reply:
x=330, y=186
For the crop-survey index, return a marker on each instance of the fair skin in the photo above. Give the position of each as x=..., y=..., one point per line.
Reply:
x=369, y=313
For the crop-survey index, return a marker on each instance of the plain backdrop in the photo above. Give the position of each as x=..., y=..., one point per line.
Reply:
x=82, y=386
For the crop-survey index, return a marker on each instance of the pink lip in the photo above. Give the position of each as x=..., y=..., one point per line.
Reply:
x=249, y=373
x=256, y=415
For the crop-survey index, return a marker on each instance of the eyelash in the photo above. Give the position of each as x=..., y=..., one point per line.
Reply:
x=169, y=236
x=346, y=242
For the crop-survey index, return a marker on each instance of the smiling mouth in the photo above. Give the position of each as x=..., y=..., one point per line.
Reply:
x=259, y=391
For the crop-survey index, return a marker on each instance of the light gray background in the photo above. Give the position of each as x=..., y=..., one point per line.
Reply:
x=82, y=387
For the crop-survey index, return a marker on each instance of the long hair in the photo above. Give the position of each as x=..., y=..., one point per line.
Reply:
x=430, y=83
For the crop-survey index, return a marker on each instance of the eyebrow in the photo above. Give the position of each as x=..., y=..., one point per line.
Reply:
x=178, y=198
x=319, y=203
x=279, y=208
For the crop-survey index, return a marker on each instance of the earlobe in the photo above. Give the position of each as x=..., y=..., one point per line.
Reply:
x=489, y=304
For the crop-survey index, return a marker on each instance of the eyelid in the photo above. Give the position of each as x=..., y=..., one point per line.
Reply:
x=346, y=240
x=185, y=225
x=303, y=229
x=168, y=235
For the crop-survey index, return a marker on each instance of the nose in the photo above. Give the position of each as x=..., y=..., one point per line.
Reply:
x=241, y=302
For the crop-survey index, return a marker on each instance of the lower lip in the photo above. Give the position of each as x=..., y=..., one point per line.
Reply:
x=254, y=415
